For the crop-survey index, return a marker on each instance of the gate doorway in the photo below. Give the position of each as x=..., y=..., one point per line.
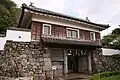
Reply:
x=77, y=61
x=72, y=61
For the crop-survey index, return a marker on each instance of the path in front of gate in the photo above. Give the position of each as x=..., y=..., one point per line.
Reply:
x=77, y=76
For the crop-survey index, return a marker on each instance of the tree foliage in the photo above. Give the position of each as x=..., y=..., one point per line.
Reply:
x=8, y=15
x=112, y=40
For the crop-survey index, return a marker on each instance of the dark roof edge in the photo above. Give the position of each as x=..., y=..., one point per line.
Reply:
x=2, y=35
x=19, y=29
x=24, y=6
x=22, y=14
x=67, y=41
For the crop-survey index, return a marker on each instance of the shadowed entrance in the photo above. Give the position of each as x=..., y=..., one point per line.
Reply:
x=77, y=61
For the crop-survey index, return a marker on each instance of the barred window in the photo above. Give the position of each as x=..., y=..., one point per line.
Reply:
x=46, y=29
x=92, y=36
x=72, y=33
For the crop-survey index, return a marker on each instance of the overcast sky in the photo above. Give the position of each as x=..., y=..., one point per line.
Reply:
x=98, y=11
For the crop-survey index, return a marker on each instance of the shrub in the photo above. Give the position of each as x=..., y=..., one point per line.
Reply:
x=98, y=76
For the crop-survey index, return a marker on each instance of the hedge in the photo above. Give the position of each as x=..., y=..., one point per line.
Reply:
x=99, y=76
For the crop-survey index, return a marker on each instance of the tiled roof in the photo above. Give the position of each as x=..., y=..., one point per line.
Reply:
x=35, y=9
x=2, y=35
x=69, y=42
x=19, y=29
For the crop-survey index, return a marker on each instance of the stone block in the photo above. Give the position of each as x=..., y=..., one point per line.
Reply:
x=46, y=55
x=47, y=59
x=24, y=59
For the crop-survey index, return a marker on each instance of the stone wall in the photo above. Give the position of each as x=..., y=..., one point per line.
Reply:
x=1, y=51
x=111, y=63
x=101, y=63
x=23, y=59
x=97, y=64
x=31, y=59
x=21, y=78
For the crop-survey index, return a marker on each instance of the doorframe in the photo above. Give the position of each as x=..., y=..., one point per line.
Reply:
x=66, y=61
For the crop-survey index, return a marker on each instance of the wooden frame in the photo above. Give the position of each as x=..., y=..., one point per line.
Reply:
x=43, y=28
x=74, y=30
x=93, y=36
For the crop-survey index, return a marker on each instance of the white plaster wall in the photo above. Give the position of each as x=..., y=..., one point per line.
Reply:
x=14, y=35
x=2, y=42
x=108, y=52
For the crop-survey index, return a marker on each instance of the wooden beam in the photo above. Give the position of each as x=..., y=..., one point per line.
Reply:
x=89, y=63
x=65, y=63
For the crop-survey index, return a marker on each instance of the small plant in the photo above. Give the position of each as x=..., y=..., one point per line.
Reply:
x=99, y=76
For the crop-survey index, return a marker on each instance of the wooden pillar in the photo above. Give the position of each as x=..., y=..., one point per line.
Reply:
x=89, y=63
x=65, y=63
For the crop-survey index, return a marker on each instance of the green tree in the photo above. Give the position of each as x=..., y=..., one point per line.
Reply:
x=112, y=40
x=8, y=15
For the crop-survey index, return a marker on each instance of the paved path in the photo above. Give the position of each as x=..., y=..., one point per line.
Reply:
x=77, y=76
x=74, y=76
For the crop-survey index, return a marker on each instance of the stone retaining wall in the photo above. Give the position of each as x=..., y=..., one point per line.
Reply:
x=6, y=78
x=97, y=64
x=101, y=63
x=21, y=78
x=111, y=63
x=23, y=59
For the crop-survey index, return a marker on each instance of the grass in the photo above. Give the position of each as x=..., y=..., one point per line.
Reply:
x=115, y=75
x=111, y=78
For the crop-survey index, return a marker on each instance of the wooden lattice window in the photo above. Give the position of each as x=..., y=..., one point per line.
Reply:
x=92, y=36
x=46, y=29
x=72, y=33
